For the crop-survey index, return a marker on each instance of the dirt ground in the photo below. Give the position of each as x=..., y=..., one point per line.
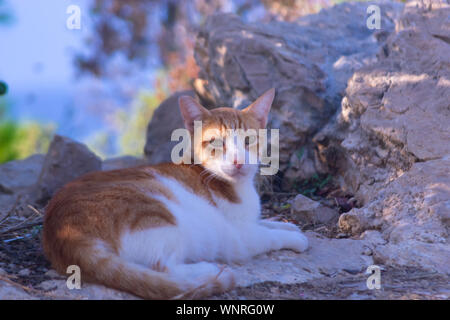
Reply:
x=23, y=259
x=21, y=255
x=396, y=284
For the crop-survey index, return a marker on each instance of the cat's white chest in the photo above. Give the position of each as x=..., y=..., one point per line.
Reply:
x=203, y=230
x=189, y=205
x=246, y=211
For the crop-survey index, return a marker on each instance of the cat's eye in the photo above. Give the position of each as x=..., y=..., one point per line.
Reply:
x=215, y=142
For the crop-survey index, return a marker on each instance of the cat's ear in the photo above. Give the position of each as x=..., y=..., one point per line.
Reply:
x=261, y=107
x=191, y=111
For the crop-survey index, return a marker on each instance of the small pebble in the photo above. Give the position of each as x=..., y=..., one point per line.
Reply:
x=341, y=235
x=52, y=274
x=24, y=272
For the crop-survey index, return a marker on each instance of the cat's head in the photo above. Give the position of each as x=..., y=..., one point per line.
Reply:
x=220, y=131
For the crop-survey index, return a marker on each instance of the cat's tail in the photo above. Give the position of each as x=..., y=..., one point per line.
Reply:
x=182, y=281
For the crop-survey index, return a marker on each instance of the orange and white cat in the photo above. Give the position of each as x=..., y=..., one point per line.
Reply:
x=159, y=231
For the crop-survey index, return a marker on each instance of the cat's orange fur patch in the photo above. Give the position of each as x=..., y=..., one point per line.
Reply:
x=85, y=220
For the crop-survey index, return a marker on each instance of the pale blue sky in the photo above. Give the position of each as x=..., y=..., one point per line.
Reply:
x=36, y=58
x=37, y=62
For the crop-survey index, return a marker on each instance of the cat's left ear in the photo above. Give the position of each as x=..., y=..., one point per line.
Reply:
x=261, y=107
x=191, y=111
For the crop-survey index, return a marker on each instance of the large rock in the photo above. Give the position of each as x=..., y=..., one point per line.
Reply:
x=307, y=61
x=395, y=112
x=19, y=174
x=392, y=141
x=16, y=179
x=33, y=181
x=412, y=213
x=122, y=162
x=324, y=257
x=307, y=211
x=65, y=161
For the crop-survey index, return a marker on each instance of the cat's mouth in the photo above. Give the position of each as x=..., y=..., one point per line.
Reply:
x=235, y=173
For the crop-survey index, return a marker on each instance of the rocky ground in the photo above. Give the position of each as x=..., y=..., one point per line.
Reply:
x=364, y=156
x=331, y=269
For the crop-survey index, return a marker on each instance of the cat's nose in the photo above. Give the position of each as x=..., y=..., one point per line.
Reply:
x=237, y=165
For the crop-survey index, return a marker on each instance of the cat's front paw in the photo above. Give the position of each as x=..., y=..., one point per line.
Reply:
x=295, y=241
x=280, y=225
x=301, y=244
x=291, y=227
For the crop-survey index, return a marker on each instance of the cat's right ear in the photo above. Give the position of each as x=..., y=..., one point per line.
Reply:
x=191, y=111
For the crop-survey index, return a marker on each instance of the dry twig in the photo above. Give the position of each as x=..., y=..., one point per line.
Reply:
x=31, y=221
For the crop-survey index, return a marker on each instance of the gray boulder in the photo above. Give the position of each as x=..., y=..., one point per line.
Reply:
x=17, y=178
x=307, y=211
x=122, y=162
x=393, y=146
x=308, y=62
x=65, y=161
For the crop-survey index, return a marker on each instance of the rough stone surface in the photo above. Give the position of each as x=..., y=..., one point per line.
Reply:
x=308, y=211
x=393, y=142
x=325, y=257
x=10, y=292
x=412, y=214
x=165, y=119
x=396, y=111
x=65, y=161
x=388, y=143
x=17, y=177
x=307, y=64
x=19, y=174
x=122, y=163
x=58, y=289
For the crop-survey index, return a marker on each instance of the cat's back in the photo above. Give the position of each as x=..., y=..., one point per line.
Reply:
x=101, y=206
x=104, y=203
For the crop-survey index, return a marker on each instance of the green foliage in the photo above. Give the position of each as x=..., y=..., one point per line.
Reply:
x=3, y=88
x=18, y=141
x=310, y=187
x=130, y=125
x=8, y=132
x=100, y=142
x=128, y=135
x=133, y=123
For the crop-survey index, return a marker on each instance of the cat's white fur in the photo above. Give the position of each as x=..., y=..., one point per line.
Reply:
x=171, y=241
x=228, y=232
x=205, y=233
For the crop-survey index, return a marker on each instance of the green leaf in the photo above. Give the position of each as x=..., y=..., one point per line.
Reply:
x=325, y=181
x=309, y=191
x=3, y=88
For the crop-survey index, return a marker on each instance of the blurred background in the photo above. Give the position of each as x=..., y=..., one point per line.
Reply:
x=100, y=84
